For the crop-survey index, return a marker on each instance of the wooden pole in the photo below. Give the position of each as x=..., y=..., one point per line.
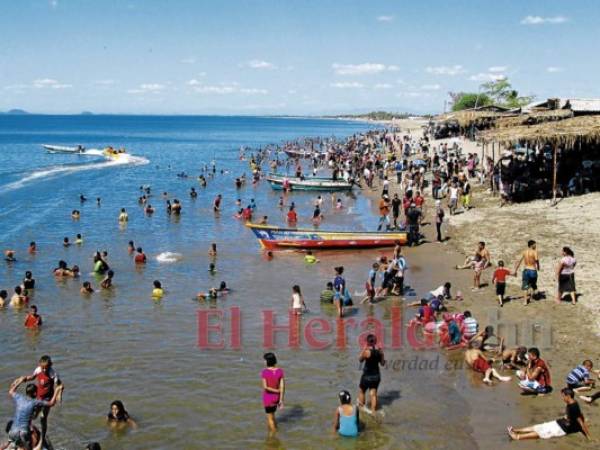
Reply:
x=554, y=176
x=493, y=166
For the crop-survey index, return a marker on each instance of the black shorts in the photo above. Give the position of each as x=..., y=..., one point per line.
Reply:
x=270, y=409
x=500, y=288
x=369, y=382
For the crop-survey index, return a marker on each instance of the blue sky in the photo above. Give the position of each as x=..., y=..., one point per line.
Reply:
x=288, y=57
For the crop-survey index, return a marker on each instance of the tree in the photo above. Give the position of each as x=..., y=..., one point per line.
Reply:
x=469, y=100
x=502, y=93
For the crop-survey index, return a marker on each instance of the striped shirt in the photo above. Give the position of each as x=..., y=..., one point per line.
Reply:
x=578, y=375
x=471, y=326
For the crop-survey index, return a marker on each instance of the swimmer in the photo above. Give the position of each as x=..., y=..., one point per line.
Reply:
x=3, y=297
x=123, y=217
x=86, y=288
x=273, y=384
x=74, y=272
x=78, y=239
x=33, y=319
x=223, y=288
x=130, y=247
x=32, y=248
x=297, y=304
x=310, y=258
x=140, y=257
x=107, y=282
x=212, y=268
x=119, y=416
x=338, y=204
x=213, y=249
x=62, y=269
x=193, y=193
x=158, y=291
x=9, y=256
x=82, y=198
x=28, y=281
x=66, y=242
x=149, y=209
x=264, y=220
x=75, y=214
x=98, y=201
x=346, y=417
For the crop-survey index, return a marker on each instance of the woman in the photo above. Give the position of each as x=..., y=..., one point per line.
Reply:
x=565, y=273
x=297, y=301
x=273, y=385
x=372, y=357
x=346, y=421
x=118, y=415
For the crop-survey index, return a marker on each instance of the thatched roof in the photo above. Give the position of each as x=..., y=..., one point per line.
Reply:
x=469, y=117
x=533, y=118
x=564, y=133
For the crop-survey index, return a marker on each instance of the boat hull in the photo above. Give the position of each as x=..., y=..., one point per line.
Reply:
x=309, y=184
x=274, y=238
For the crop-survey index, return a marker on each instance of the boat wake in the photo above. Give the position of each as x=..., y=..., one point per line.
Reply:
x=68, y=169
x=168, y=257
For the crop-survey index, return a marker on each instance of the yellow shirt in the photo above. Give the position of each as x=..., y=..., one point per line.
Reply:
x=157, y=292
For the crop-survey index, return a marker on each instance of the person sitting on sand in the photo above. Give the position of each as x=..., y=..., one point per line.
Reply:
x=514, y=358
x=107, y=282
x=572, y=422
x=346, y=421
x=33, y=319
x=118, y=415
x=86, y=288
x=477, y=360
x=484, y=337
x=579, y=379
x=471, y=326
x=327, y=294
x=535, y=378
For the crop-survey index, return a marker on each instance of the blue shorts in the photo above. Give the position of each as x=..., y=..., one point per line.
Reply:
x=529, y=279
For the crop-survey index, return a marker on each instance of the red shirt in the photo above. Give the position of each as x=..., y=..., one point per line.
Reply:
x=32, y=321
x=544, y=376
x=247, y=214
x=419, y=201
x=140, y=258
x=45, y=383
x=292, y=216
x=500, y=274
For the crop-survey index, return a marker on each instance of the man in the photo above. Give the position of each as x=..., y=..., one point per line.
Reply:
x=413, y=217
x=535, y=379
x=486, y=335
x=396, y=202
x=419, y=203
x=531, y=262
x=384, y=210
x=217, y=203
x=481, y=257
x=140, y=257
x=572, y=422
x=398, y=166
x=25, y=407
x=476, y=359
x=439, y=219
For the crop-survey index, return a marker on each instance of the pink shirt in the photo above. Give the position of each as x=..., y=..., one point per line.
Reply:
x=273, y=377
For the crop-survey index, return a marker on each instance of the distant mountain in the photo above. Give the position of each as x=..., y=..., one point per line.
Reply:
x=87, y=113
x=16, y=112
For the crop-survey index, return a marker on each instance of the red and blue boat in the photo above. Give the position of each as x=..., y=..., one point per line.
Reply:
x=274, y=238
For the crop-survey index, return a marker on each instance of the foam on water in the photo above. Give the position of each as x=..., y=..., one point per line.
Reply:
x=169, y=257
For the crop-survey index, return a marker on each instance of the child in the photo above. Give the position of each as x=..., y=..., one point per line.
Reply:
x=158, y=291
x=32, y=247
x=370, y=284
x=346, y=416
x=86, y=288
x=78, y=239
x=66, y=242
x=499, y=279
x=310, y=258
x=33, y=319
x=273, y=385
x=297, y=301
x=107, y=282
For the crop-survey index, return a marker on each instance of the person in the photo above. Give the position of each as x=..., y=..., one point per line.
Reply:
x=86, y=288
x=32, y=248
x=140, y=257
x=20, y=432
x=212, y=269
x=535, y=379
x=33, y=319
x=47, y=385
x=499, y=279
x=327, y=294
x=217, y=203
x=75, y=214
x=579, y=378
x=346, y=422
x=149, y=210
x=439, y=219
x=100, y=265
x=485, y=341
x=384, y=210
x=471, y=326
x=413, y=218
x=213, y=249
x=466, y=195
x=118, y=415
x=66, y=242
x=123, y=217
x=18, y=299
x=309, y=258
x=297, y=304
x=372, y=357
x=9, y=256
x=317, y=216
x=130, y=247
x=531, y=262
x=292, y=217
x=396, y=203
x=176, y=207
x=370, y=284
x=264, y=220
x=193, y=193
x=93, y=446
x=4, y=296
x=481, y=256
x=572, y=422
x=28, y=281
x=514, y=358
x=107, y=282
x=157, y=291
x=425, y=313
x=477, y=360
x=453, y=199
x=273, y=386
x=339, y=285
x=443, y=291
x=565, y=273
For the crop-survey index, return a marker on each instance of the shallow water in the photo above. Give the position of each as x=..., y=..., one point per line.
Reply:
x=123, y=345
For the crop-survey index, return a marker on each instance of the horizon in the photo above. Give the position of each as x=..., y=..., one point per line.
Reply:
x=287, y=59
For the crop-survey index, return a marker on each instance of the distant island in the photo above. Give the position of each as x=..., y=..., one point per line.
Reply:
x=86, y=113
x=374, y=115
x=15, y=112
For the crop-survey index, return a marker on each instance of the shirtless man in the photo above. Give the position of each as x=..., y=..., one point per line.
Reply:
x=476, y=359
x=514, y=358
x=531, y=263
x=481, y=253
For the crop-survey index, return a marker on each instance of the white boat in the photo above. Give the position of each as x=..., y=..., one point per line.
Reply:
x=64, y=149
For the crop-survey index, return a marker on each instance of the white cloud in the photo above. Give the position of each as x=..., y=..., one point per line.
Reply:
x=483, y=76
x=385, y=18
x=260, y=64
x=431, y=87
x=358, y=69
x=225, y=89
x=189, y=60
x=554, y=69
x=383, y=86
x=393, y=68
x=254, y=91
x=347, y=85
x=497, y=69
x=539, y=20
x=104, y=82
x=147, y=88
x=446, y=70
x=50, y=83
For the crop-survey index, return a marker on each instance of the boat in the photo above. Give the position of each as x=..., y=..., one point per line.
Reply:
x=303, y=153
x=110, y=152
x=308, y=184
x=64, y=149
x=273, y=238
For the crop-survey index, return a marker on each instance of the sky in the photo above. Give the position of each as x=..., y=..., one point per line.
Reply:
x=302, y=57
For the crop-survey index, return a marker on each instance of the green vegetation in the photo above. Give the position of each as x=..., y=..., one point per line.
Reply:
x=499, y=92
x=376, y=115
